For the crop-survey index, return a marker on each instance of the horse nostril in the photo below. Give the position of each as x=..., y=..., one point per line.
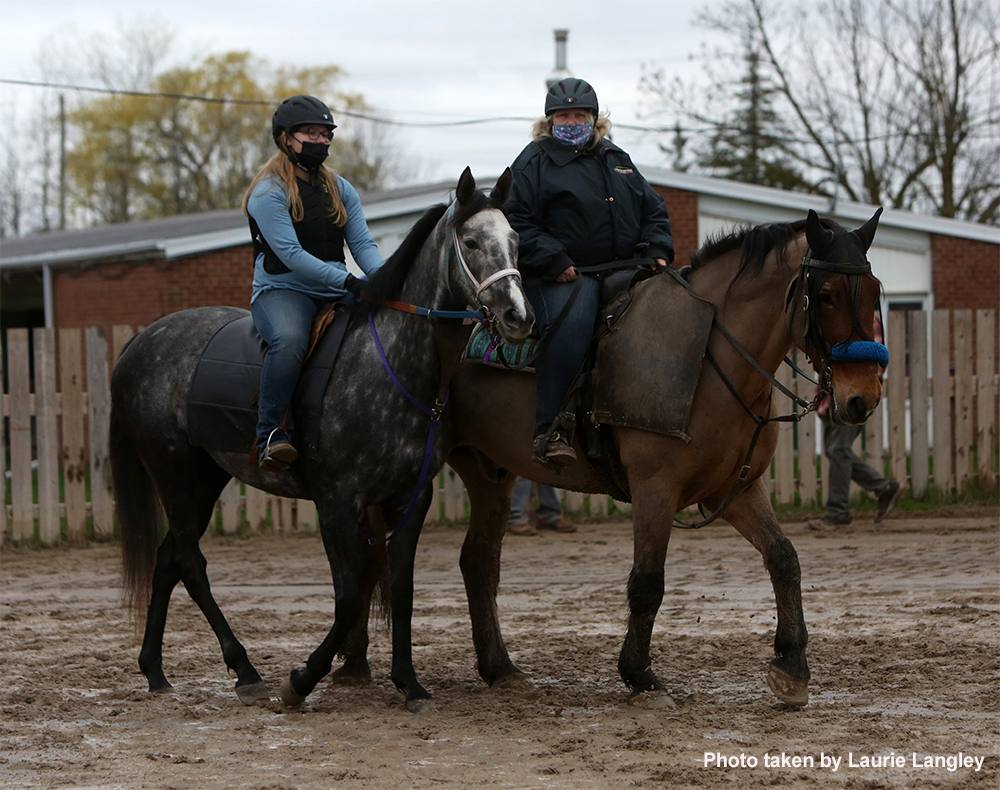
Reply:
x=511, y=316
x=856, y=408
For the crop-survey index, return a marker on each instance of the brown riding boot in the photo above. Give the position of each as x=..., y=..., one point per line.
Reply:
x=557, y=451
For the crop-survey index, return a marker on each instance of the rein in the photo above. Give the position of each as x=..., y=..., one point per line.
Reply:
x=760, y=422
x=434, y=412
x=847, y=351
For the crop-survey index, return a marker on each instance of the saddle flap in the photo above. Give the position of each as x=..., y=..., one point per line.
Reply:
x=644, y=380
x=222, y=398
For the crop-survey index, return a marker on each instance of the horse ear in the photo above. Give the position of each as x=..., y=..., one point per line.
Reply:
x=466, y=189
x=866, y=233
x=502, y=189
x=817, y=236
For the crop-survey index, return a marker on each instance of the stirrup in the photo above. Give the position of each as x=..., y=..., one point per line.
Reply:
x=278, y=452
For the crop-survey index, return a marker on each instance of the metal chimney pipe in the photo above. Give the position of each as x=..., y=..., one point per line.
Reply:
x=561, y=71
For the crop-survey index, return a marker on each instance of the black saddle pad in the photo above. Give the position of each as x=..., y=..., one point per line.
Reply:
x=222, y=401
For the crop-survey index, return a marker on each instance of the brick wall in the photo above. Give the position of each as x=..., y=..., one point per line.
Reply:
x=683, y=209
x=966, y=274
x=139, y=293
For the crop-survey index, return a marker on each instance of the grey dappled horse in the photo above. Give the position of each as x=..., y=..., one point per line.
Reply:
x=372, y=440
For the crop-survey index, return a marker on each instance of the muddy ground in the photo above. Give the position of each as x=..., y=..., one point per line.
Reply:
x=904, y=629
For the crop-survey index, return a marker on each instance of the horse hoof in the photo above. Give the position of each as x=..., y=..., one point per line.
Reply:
x=252, y=693
x=652, y=700
x=791, y=691
x=422, y=705
x=167, y=689
x=346, y=676
x=289, y=696
x=512, y=680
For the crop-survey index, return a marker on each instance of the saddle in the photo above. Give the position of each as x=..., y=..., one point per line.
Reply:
x=222, y=399
x=655, y=396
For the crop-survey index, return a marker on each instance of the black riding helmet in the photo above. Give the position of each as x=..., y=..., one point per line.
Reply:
x=571, y=94
x=299, y=111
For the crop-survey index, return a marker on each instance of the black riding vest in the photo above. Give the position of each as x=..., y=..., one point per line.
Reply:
x=318, y=234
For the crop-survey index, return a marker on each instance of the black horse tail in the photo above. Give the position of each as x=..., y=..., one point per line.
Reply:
x=375, y=559
x=140, y=517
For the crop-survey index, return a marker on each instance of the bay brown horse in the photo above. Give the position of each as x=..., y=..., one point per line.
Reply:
x=805, y=284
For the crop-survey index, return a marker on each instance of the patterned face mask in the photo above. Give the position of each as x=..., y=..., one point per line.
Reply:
x=574, y=134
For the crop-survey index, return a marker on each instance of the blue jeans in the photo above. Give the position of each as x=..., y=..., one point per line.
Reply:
x=283, y=318
x=566, y=350
x=549, y=507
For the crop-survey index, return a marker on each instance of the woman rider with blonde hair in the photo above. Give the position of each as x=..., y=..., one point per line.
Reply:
x=301, y=214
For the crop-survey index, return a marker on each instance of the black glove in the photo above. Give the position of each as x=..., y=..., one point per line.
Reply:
x=353, y=286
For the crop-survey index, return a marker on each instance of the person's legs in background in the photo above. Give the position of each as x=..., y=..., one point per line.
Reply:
x=520, y=500
x=845, y=467
x=550, y=511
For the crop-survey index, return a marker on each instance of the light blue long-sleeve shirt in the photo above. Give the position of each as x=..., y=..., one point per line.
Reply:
x=323, y=279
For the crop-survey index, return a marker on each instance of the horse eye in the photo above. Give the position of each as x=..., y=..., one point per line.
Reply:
x=471, y=244
x=825, y=298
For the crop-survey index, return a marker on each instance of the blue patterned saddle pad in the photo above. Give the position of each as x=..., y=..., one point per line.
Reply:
x=518, y=357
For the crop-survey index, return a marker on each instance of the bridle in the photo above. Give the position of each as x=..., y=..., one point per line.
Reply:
x=845, y=351
x=851, y=351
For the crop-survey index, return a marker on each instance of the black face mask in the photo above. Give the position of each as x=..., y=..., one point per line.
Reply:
x=312, y=156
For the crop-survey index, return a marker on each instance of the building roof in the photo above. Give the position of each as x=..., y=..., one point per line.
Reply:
x=192, y=234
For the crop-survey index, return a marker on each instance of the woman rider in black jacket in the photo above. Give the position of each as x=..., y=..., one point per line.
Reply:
x=577, y=200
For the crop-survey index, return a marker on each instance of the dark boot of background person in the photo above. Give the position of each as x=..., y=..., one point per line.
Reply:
x=887, y=499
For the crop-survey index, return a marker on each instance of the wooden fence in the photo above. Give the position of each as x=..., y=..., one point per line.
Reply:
x=936, y=427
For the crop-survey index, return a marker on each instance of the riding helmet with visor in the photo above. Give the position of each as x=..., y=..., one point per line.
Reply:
x=300, y=111
x=571, y=94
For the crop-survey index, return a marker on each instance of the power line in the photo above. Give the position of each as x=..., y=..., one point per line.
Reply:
x=674, y=128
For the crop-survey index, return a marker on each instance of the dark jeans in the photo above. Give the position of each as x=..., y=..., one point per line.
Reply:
x=283, y=318
x=845, y=466
x=549, y=507
x=566, y=349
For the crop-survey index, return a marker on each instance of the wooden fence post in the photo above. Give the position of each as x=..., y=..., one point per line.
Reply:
x=47, y=435
x=986, y=396
x=944, y=469
x=3, y=460
x=455, y=496
x=229, y=506
x=74, y=464
x=99, y=414
x=784, y=460
x=306, y=517
x=964, y=388
x=896, y=375
x=919, y=403
x=19, y=376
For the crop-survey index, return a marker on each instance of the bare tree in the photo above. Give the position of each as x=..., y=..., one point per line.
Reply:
x=892, y=102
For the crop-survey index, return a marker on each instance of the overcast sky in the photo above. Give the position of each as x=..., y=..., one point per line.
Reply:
x=426, y=61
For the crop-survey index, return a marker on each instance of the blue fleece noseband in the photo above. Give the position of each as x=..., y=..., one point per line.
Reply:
x=860, y=351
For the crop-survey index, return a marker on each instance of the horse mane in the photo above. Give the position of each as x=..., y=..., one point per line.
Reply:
x=387, y=283
x=754, y=242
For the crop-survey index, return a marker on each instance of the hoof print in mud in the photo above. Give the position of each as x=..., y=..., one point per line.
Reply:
x=420, y=705
x=652, y=700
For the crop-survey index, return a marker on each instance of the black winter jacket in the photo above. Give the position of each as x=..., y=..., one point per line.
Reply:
x=571, y=207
